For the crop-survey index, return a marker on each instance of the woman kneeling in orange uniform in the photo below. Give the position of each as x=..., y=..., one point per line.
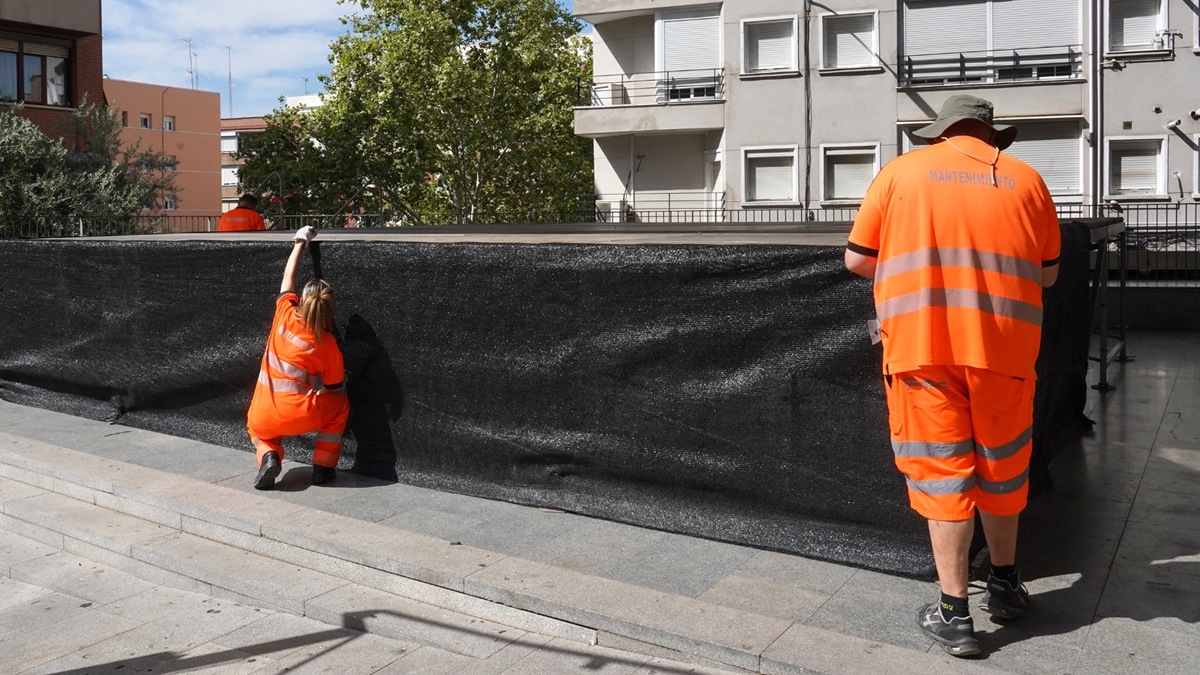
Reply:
x=301, y=371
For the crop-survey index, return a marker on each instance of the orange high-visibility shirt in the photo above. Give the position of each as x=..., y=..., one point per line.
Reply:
x=958, y=279
x=241, y=219
x=292, y=365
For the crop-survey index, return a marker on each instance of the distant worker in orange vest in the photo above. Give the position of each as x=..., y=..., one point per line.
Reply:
x=243, y=217
x=960, y=239
x=300, y=378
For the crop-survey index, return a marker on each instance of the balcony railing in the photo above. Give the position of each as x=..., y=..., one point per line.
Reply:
x=992, y=66
x=658, y=88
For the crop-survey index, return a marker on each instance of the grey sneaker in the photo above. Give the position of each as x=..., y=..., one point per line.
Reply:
x=1003, y=600
x=956, y=636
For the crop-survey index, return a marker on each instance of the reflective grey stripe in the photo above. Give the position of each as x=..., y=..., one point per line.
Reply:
x=294, y=372
x=938, y=450
x=959, y=257
x=290, y=386
x=945, y=486
x=329, y=438
x=960, y=297
x=1005, y=486
x=295, y=339
x=1007, y=450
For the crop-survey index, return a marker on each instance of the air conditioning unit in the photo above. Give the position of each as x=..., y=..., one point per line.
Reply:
x=609, y=93
x=608, y=212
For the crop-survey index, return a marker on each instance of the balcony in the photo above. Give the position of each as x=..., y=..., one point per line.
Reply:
x=647, y=102
x=1037, y=64
x=654, y=206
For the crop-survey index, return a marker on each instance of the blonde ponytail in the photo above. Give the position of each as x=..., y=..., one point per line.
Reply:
x=318, y=307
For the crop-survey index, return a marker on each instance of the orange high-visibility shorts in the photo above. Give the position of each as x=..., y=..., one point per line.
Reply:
x=963, y=437
x=325, y=413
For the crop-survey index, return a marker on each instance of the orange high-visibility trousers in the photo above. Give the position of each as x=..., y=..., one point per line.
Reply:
x=962, y=437
x=325, y=412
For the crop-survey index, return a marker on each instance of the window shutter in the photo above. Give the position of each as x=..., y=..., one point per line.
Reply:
x=1132, y=24
x=8, y=45
x=770, y=177
x=39, y=49
x=850, y=41
x=692, y=44
x=1029, y=24
x=1052, y=148
x=770, y=46
x=848, y=173
x=1134, y=167
x=944, y=26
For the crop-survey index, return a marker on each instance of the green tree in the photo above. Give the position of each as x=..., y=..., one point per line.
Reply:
x=49, y=186
x=459, y=110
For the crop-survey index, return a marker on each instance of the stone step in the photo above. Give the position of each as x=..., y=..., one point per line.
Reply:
x=352, y=561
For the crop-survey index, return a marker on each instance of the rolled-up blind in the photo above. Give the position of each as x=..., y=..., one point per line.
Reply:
x=848, y=173
x=1133, y=166
x=943, y=26
x=850, y=41
x=770, y=176
x=1053, y=149
x=691, y=44
x=1132, y=24
x=40, y=49
x=770, y=46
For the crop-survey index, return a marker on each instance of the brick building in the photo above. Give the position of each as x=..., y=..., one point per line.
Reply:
x=232, y=130
x=50, y=58
x=185, y=124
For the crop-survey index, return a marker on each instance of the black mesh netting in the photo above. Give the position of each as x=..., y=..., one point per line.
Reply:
x=729, y=392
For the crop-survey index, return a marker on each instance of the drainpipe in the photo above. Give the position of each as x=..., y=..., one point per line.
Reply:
x=1097, y=107
x=807, y=111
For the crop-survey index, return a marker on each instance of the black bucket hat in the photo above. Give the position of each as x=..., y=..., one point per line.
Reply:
x=963, y=107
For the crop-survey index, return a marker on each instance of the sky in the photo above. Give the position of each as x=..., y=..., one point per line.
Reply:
x=272, y=46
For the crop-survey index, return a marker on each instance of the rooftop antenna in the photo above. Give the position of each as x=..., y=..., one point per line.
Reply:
x=193, y=70
x=229, y=53
x=305, y=85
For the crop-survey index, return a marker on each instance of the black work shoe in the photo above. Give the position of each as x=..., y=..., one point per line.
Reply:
x=268, y=472
x=956, y=636
x=1003, y=600
x=323, y=475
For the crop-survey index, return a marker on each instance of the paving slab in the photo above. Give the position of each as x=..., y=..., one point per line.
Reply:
x=595, y=547
x=15, y=549
x=86, y=522
x=1122, y=646
x=353, y=654
x=376, y=612
x=408, y=554
x=722, y=634
x=1174, y=510
x=832, y=653
x=681, y=565
x=877, y=607
x=23, y=650
x=232, y=569
x=559, y=657
x=80, y=577
x=433, y=661
x=40, y=611
x=1156, y=595
x=11, y=490
x=1152, y=545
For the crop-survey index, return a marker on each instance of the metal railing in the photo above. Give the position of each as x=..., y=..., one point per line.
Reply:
x=1163, y=239
x=1064, y=62
x=655, y=88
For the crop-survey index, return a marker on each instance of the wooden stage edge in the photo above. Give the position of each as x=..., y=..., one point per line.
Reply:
x=634, y=234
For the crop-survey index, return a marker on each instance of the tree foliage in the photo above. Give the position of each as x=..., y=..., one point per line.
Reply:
x=459, y=110
x=48, y=186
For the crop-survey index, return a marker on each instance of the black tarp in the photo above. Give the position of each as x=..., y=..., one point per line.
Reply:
x=729, y=392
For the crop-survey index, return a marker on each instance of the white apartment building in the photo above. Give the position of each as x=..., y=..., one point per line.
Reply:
x=753, y=110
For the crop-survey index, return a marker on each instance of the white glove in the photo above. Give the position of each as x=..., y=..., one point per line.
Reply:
x=305, y=234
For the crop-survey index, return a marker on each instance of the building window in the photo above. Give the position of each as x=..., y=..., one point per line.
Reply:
x=849, y=41
x=34, y=72
x=1054, y=148
x=229, y=175
x=986, y=41
x=770, y=175
x=1136, y=167
x=229, y=142
x=169, y=203
x=124, y=118
x=688, y=56
x=1136, y=25
x=144, y=121
x=170, y=163
x=847, y=171
x=168, y=123
x=769, y=45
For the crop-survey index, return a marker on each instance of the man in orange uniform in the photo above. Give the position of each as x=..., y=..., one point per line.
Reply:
x=301, y=371
x=243, y=217
x=960, y=239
